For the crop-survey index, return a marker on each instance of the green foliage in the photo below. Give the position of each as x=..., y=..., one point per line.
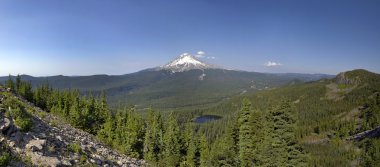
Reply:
x=264, y=131
x=25, y=124
x=134, y=131
x=223, y=152
x=18, y=82
x=153, y=137
x=75, y=114
x=335, y=153
x=87, y=113
x=74, y=147
x=315, y=115
x=250, y=136
x=106, y=133
x=18, y=112
x=83, y=159
x=42, y=96
x=246, y=135
x=163, y=90
x=204, y=152
x=171, y=142
x=9, y=83
x=5, y=158
x=371, y=113
x=25, y=90
x=371, y=153
x=190, y=146
x=283, y=146
x=343, y=86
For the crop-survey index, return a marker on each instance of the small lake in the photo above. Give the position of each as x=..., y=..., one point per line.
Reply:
x=206, y=118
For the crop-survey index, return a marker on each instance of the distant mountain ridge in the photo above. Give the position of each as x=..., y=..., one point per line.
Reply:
x=183, y=82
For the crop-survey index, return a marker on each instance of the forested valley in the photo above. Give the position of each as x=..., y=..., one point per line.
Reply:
x=298, y=125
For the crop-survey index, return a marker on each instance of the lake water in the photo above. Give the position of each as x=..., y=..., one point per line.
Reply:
x=206, y=118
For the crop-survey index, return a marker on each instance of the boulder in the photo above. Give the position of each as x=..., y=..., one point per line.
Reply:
x=66, y=163
x=98, y=162
x=35, y=145
x=40, y=160
x=59, y=138
x=11, y=130
x=5, y=124
x=12, y=144
x=27, y=137
x=19, y=150
x=92, y=161
x=17, y=137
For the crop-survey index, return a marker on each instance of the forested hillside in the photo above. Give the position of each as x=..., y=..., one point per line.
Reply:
x=30, y=136
x=327, y=112
x=163, y=89
x=305, y=124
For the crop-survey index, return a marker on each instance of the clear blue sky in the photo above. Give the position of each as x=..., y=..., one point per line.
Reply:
x=84, y=37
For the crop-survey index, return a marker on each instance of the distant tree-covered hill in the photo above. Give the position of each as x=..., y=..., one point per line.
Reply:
x=165, y=89
x=327, y=113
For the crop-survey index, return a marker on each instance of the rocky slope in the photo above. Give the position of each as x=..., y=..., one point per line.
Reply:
x=50, y=142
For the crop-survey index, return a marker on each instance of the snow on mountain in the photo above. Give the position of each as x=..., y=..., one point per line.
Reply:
x=186, y=62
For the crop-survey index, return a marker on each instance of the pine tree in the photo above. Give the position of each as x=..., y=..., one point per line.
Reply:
x=191, y=153
x=121, y=117
x=158, y=128
x=66, y=104
x=249, y=135
x=204, y=160
x=107, y=132
x=10, y=84
x=133, y=134
x=149, y=141
x=18, y=83
x=75, y=117
x=103, y=109
x=171, y=141
x=226, y=148
x=90, y=115
x=25, y=90
x=245, y=136
x=281, y=147
x=222, y=151
x=153, y=137
x=189, y=146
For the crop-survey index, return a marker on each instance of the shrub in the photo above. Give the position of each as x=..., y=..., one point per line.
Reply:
x=19, y=114
x=11, y=102
x=83, y=159
x=5, y=159
x=25, y=124
x=75, y=148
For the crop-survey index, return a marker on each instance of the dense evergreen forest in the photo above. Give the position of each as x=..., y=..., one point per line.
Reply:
x=327, y=113
x=298, y=125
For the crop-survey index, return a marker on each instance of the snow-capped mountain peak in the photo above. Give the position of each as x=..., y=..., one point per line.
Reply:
x=186, y=62
x=185, y=59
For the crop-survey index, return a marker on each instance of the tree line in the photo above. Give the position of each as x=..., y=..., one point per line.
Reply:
x=254, y=137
